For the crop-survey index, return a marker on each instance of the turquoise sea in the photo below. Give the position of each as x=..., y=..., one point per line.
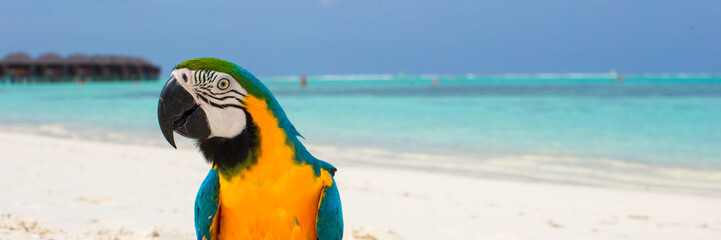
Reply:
x=658, y=120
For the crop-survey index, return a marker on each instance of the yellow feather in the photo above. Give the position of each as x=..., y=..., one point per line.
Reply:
x=276, y=198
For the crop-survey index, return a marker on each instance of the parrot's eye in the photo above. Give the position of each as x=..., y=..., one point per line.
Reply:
x=223, y=84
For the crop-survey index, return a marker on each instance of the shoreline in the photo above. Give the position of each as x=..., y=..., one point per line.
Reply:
x=70, y=188
x=568, y=170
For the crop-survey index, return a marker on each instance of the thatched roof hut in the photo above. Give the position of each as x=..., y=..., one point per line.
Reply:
x=140, y=61
x=101, y=60
x=50, y=58
x=52, y=67
x=17, y=59
x=78, y=59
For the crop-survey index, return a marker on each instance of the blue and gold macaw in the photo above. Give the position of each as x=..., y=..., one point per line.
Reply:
x=263, y=184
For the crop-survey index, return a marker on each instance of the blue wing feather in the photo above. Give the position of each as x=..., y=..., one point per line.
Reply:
x=329, y=222
x=206, y=205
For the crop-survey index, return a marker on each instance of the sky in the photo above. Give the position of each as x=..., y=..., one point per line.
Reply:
x=272, y=37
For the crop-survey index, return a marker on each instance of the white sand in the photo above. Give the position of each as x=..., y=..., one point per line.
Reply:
x=55, y=188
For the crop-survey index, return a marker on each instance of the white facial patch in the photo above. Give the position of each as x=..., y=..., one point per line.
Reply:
x=226, y=122
x=219, y=95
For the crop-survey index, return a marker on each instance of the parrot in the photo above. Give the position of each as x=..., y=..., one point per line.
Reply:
x=263, y=183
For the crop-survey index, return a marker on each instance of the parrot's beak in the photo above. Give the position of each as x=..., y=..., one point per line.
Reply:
x=178, y=111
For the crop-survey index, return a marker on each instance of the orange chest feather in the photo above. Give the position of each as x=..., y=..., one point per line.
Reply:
x=265, y=209
x=276, y=198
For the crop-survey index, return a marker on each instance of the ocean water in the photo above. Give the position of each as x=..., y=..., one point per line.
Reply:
x=656, y=120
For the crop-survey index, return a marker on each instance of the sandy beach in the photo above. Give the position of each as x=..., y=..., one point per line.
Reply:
x=61, y=188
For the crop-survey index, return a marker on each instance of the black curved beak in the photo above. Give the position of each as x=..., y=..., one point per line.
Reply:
x=177, y=111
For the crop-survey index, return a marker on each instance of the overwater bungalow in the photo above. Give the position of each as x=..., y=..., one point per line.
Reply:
x=19, y=67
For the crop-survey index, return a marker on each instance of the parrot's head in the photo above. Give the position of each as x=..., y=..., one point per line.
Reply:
x=208, y=100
